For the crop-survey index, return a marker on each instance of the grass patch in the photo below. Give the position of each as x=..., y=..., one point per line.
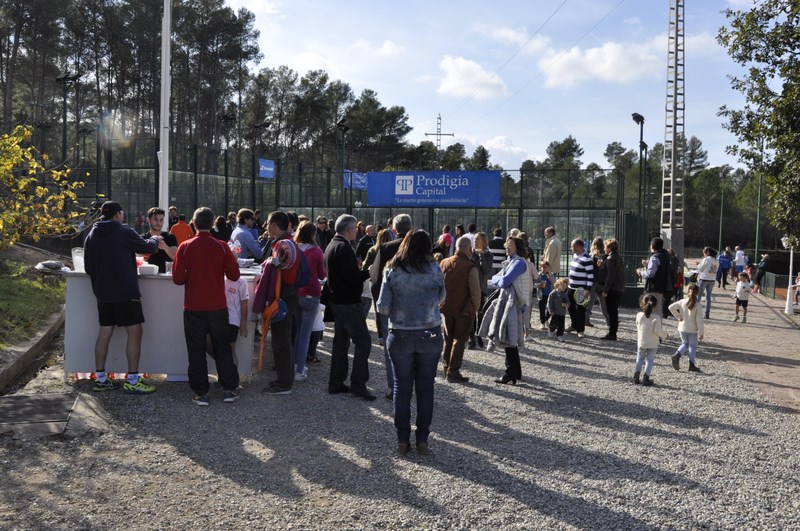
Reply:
x=27, y=299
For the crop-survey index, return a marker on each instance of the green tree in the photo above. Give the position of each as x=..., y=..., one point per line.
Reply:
x=28, y=206
x=454, y=157
x=479, y=160
x=763, y=40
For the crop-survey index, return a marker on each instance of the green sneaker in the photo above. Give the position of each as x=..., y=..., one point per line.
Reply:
x=140, y=388
x=107, y=385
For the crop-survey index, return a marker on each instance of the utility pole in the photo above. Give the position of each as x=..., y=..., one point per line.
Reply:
x=438, y=134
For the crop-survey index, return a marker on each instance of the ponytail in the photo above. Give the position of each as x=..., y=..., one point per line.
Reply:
x=692, y=291
x=648, y=304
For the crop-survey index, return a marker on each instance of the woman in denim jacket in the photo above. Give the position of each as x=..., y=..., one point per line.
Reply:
x=413, y=287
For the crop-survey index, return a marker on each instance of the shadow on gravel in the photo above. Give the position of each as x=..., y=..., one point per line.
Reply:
x=501, y=458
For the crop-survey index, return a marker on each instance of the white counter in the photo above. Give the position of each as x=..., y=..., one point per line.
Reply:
x=163, y=341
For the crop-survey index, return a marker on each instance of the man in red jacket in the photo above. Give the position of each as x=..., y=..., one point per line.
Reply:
x=201, y=264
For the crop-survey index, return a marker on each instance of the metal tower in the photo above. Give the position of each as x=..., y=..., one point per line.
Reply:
x=438, y=134
x=672, y=182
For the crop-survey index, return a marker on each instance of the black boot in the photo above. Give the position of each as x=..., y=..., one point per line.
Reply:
x=676, y=361
x=636, y=378
x=693, y=367
x=479, y=339
x=506, y=378
x=646, y=381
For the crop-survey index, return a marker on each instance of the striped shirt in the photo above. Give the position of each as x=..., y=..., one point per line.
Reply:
x=496, y=247
x=581, y=271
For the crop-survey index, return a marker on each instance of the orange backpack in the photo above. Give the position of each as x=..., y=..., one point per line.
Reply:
x=275, y=311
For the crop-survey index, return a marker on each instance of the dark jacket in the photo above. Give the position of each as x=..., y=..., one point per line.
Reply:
x=386, y=253
x=363, y=246
x=484, y=261
x=324, y=237
x=615, y=273
x=345, y=278
x=110, y=260
x=660, y=283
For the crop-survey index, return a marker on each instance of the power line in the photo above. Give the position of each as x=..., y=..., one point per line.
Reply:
x=513, y=55
x=553, y=62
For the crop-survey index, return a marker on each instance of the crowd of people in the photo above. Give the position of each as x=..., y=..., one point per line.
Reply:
x=434, y=299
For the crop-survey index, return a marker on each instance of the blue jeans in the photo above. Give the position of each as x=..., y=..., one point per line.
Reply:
x=646, y=357
x=384, y=323
x=415, y=357
x=309, y=308
x=707, y=286
x=688, y=342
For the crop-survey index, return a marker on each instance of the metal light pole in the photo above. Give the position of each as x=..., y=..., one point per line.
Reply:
x=65, y=80
x=789, y=309
x=721, y=209
x=344, y=128
x=639, y=119
x=758, y=205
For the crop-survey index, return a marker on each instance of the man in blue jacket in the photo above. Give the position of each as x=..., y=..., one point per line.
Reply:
x=110, y=260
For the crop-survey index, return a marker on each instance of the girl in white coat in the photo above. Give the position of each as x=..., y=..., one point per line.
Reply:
x=690, y=326
x=649, y=330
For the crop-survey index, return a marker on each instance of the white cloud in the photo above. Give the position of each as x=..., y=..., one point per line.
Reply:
x=387, y=49
x=632, y=21
x=611, y=62
x=515, y=36
x=305, y=61
x=503, y=144
x=519, y=37
x=463, y=77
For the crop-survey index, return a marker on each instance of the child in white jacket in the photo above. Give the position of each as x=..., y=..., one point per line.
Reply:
x=649, y=330
x=690, y=326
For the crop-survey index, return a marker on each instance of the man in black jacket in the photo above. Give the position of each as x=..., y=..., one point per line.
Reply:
x=367, y=241
x=345, y=284
x=324, y=233
x=657, y=273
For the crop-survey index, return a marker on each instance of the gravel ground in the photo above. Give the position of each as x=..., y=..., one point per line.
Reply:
x=576, y=445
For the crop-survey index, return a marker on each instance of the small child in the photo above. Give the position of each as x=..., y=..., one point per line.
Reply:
x=545, y=288
x=557, y=304
x=649, y=331
x=238, y=298
x=742, y=296
x=690, y=326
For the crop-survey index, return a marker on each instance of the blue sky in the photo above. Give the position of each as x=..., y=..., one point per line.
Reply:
x=513, y=76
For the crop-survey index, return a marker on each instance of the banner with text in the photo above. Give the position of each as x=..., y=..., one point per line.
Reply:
x=434, y=189
x=359, y=180
x=266, y=168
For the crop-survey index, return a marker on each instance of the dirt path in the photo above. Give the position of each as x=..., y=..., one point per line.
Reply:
x=765, y=350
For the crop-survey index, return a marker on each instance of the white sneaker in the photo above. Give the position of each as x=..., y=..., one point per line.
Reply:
x=736, y=318
x=544, y=326
x=580, y=335
x=300, y=376
x=744, y=320
x=551, y=334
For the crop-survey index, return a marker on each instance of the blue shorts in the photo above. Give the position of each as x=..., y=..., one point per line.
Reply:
x=739, y=269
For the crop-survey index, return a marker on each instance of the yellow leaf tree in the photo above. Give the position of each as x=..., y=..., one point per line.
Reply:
x=34, y=201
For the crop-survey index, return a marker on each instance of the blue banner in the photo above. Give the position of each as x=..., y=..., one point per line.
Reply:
x=266, y=168
x=359, y=180
x=434, y=189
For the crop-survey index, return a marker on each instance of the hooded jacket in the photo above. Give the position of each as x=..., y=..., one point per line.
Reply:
x=110, y=260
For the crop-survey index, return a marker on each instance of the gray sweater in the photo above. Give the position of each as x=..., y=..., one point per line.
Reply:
x=555, y=302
